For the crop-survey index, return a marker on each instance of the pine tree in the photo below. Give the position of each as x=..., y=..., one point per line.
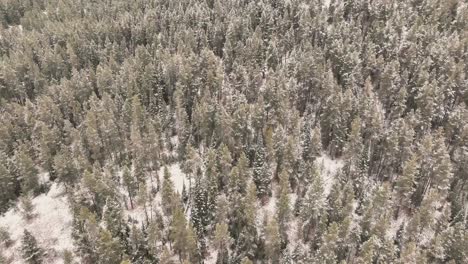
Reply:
x=27, y=206
x=5, y=239
x=200, y=216
x=167, y=193
x=67, y=257
x=178, y=234
x=260, y=171
x=327, y=251
x=405, y=184
x=27, y=170
x=191, y=166
x=194, y=250
x=30, y=250
x=166, y=257
x=93, y=136
x=8, y=183
x=64, y=166
x=130, y=184
x=108, y=248
x=316, y=142
x=367, y=254
x=250, y=207
x=312, y=207
x=306, y=140
x=273, y=241
x=244, y=172
x=143, y=199
x=225, y=165
x=222, y=242
x=283, y=210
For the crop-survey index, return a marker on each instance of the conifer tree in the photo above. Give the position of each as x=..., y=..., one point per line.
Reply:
x=108, y=248
x=30, y=250
x=8, y=183
x=260, y=171
x=130, y=184
x=283, y=210
x=64, y=167
x=167, y=193
x=225, y=164
x=222, y=242
x=273, y=241
x=200, y=216
x=405, y=184
x=27, y=206
x=27, y=171
x=327, y=251
x=312, y=207
x=182, y=237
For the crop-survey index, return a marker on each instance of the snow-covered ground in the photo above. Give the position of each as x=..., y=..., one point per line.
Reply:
x=328, y=170
x=52, y=223
x=51, y=226
x=178, y=178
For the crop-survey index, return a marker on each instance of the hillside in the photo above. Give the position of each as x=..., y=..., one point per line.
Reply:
x=233, y=132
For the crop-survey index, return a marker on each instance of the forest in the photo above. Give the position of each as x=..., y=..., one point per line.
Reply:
x=233, y=131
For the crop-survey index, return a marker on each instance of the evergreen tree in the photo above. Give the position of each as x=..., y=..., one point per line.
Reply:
x=67, y=257
x=30, y=250
x=200, y=216
x=312, y=207
x=27, y=206
x=64, y=167
x=8, y=184
x=260, y=171
x=222, y=242
x=167, y=193
x=130, y=184
x=405, y=184
x=179, y=233
x=273, y=241
x=327, y=251
x=283, y=210
x=108, y=248
x=225, y=165
x=27, y=171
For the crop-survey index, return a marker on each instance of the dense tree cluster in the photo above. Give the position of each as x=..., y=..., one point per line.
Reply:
x=246, y=96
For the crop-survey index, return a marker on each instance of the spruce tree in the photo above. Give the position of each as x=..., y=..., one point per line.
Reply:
x=167, y=193
x=30, y=251
x=261, y=175
x=283, y=209
x=273, y=241
x=130, y=184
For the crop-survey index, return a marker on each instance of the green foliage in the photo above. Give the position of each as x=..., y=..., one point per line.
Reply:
x=354, y=111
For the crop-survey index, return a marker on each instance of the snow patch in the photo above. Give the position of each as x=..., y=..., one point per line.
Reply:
x=328, y=170
x=51, y=226
x=178, y=177
x=138, y=212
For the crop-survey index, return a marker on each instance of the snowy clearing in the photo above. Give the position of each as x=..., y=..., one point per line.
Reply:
x=328, y=170
x=51, y=226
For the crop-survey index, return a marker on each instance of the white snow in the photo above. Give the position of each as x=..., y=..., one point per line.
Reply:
x=395, y=225
x=328, y=170
x=178, y=177
x=212, y=257
x=51, y=226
